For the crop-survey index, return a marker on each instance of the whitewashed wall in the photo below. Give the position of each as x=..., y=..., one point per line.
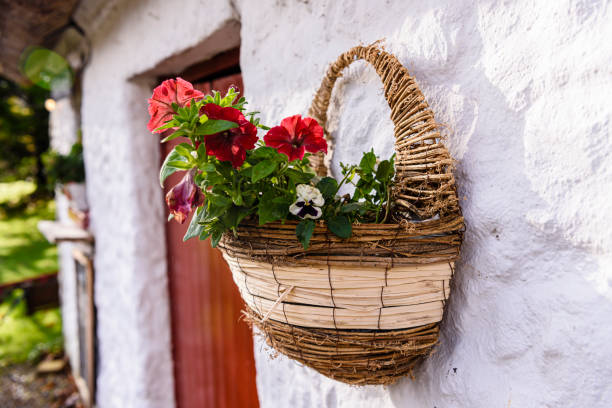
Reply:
x=63, y=123
x=525, y=88
x=132, y=42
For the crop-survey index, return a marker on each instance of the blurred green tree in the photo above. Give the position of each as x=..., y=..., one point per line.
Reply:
x=24, y=133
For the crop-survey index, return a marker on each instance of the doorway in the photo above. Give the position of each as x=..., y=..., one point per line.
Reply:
x=212, y=346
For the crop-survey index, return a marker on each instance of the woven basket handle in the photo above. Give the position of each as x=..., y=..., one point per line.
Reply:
x=401, y=92
x=424, y=185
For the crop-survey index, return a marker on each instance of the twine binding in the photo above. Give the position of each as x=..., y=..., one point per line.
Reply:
x=364, y=310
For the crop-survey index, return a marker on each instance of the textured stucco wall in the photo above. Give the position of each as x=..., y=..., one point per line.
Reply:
x=122, y=161
x=523, y=87
x=63, y=133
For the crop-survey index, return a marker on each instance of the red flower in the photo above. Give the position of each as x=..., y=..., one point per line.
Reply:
x=295, y=136
x=183, y=197
x=230, y=145
x=170, y=91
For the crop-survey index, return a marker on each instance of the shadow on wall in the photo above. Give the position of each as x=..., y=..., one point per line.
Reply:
x=514, y=331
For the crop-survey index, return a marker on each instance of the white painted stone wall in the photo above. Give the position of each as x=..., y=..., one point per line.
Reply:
x=63, y=133
x=524, y=88
x=131, y=43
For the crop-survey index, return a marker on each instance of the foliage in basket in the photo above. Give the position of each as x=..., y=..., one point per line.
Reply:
x=232, y=175
x=363, y=310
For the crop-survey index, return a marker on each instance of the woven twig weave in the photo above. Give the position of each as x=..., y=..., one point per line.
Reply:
x=363, y=310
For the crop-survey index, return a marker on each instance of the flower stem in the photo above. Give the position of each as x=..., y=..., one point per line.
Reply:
x=342, y=182
x=388, y=206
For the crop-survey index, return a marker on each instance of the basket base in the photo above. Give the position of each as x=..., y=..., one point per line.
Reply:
x=357, y=357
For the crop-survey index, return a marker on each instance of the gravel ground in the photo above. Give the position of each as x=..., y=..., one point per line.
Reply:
x=21, y=386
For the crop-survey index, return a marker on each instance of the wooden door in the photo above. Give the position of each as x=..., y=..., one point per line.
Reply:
x=212, y=347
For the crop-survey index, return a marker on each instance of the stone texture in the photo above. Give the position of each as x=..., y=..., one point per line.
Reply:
x=122, y=161
x=63, y=134
x=520, y=86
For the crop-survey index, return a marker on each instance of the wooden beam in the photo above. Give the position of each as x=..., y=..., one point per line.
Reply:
x=226, y=63
x=25, y=23
x=57, y=232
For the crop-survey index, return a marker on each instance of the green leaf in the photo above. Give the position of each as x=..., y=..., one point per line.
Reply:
x=385, y=171
x=229, y=97
x=184, y=149
x=166, y=168
x=219, y=200
x=328, y=187
x=232, y=218
x=351, y=207
x=170, y=216
x=237, y=197
x=272, y=207
x=340, y=225
x=174, y=135
x=212, y=126
x=364, y=186
x=225, y=169
x=212, y=178
x=304, y=231
x=264, y=152
x=180, y=164
x=240, y=104
x=195, y=228
x=215, y=237
x=208, y=167
x=298, y=177
x=368, y=162
x=217, y=206
x=169, y=124
x=249, y=198
x=262, y=169
x=246, y=172
x=193, y=110
x=201, y=151
x=205, y=234
x=223, y=189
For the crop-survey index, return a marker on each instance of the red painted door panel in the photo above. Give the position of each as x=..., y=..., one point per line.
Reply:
x=212, y=346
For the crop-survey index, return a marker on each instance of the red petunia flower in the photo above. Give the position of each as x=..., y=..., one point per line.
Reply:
x=170, y=91
x=230, y=145
x=183, y=197
x=295, y=136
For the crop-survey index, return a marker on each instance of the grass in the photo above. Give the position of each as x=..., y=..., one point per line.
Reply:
x=26, y=337
x=25, y=253
x=15, y=191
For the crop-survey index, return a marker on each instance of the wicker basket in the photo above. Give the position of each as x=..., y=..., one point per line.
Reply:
x=366, y=309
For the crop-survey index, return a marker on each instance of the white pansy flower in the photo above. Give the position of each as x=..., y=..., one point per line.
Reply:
x=310, y=193
x=309, y=202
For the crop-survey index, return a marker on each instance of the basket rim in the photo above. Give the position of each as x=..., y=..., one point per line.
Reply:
x=321, y=226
